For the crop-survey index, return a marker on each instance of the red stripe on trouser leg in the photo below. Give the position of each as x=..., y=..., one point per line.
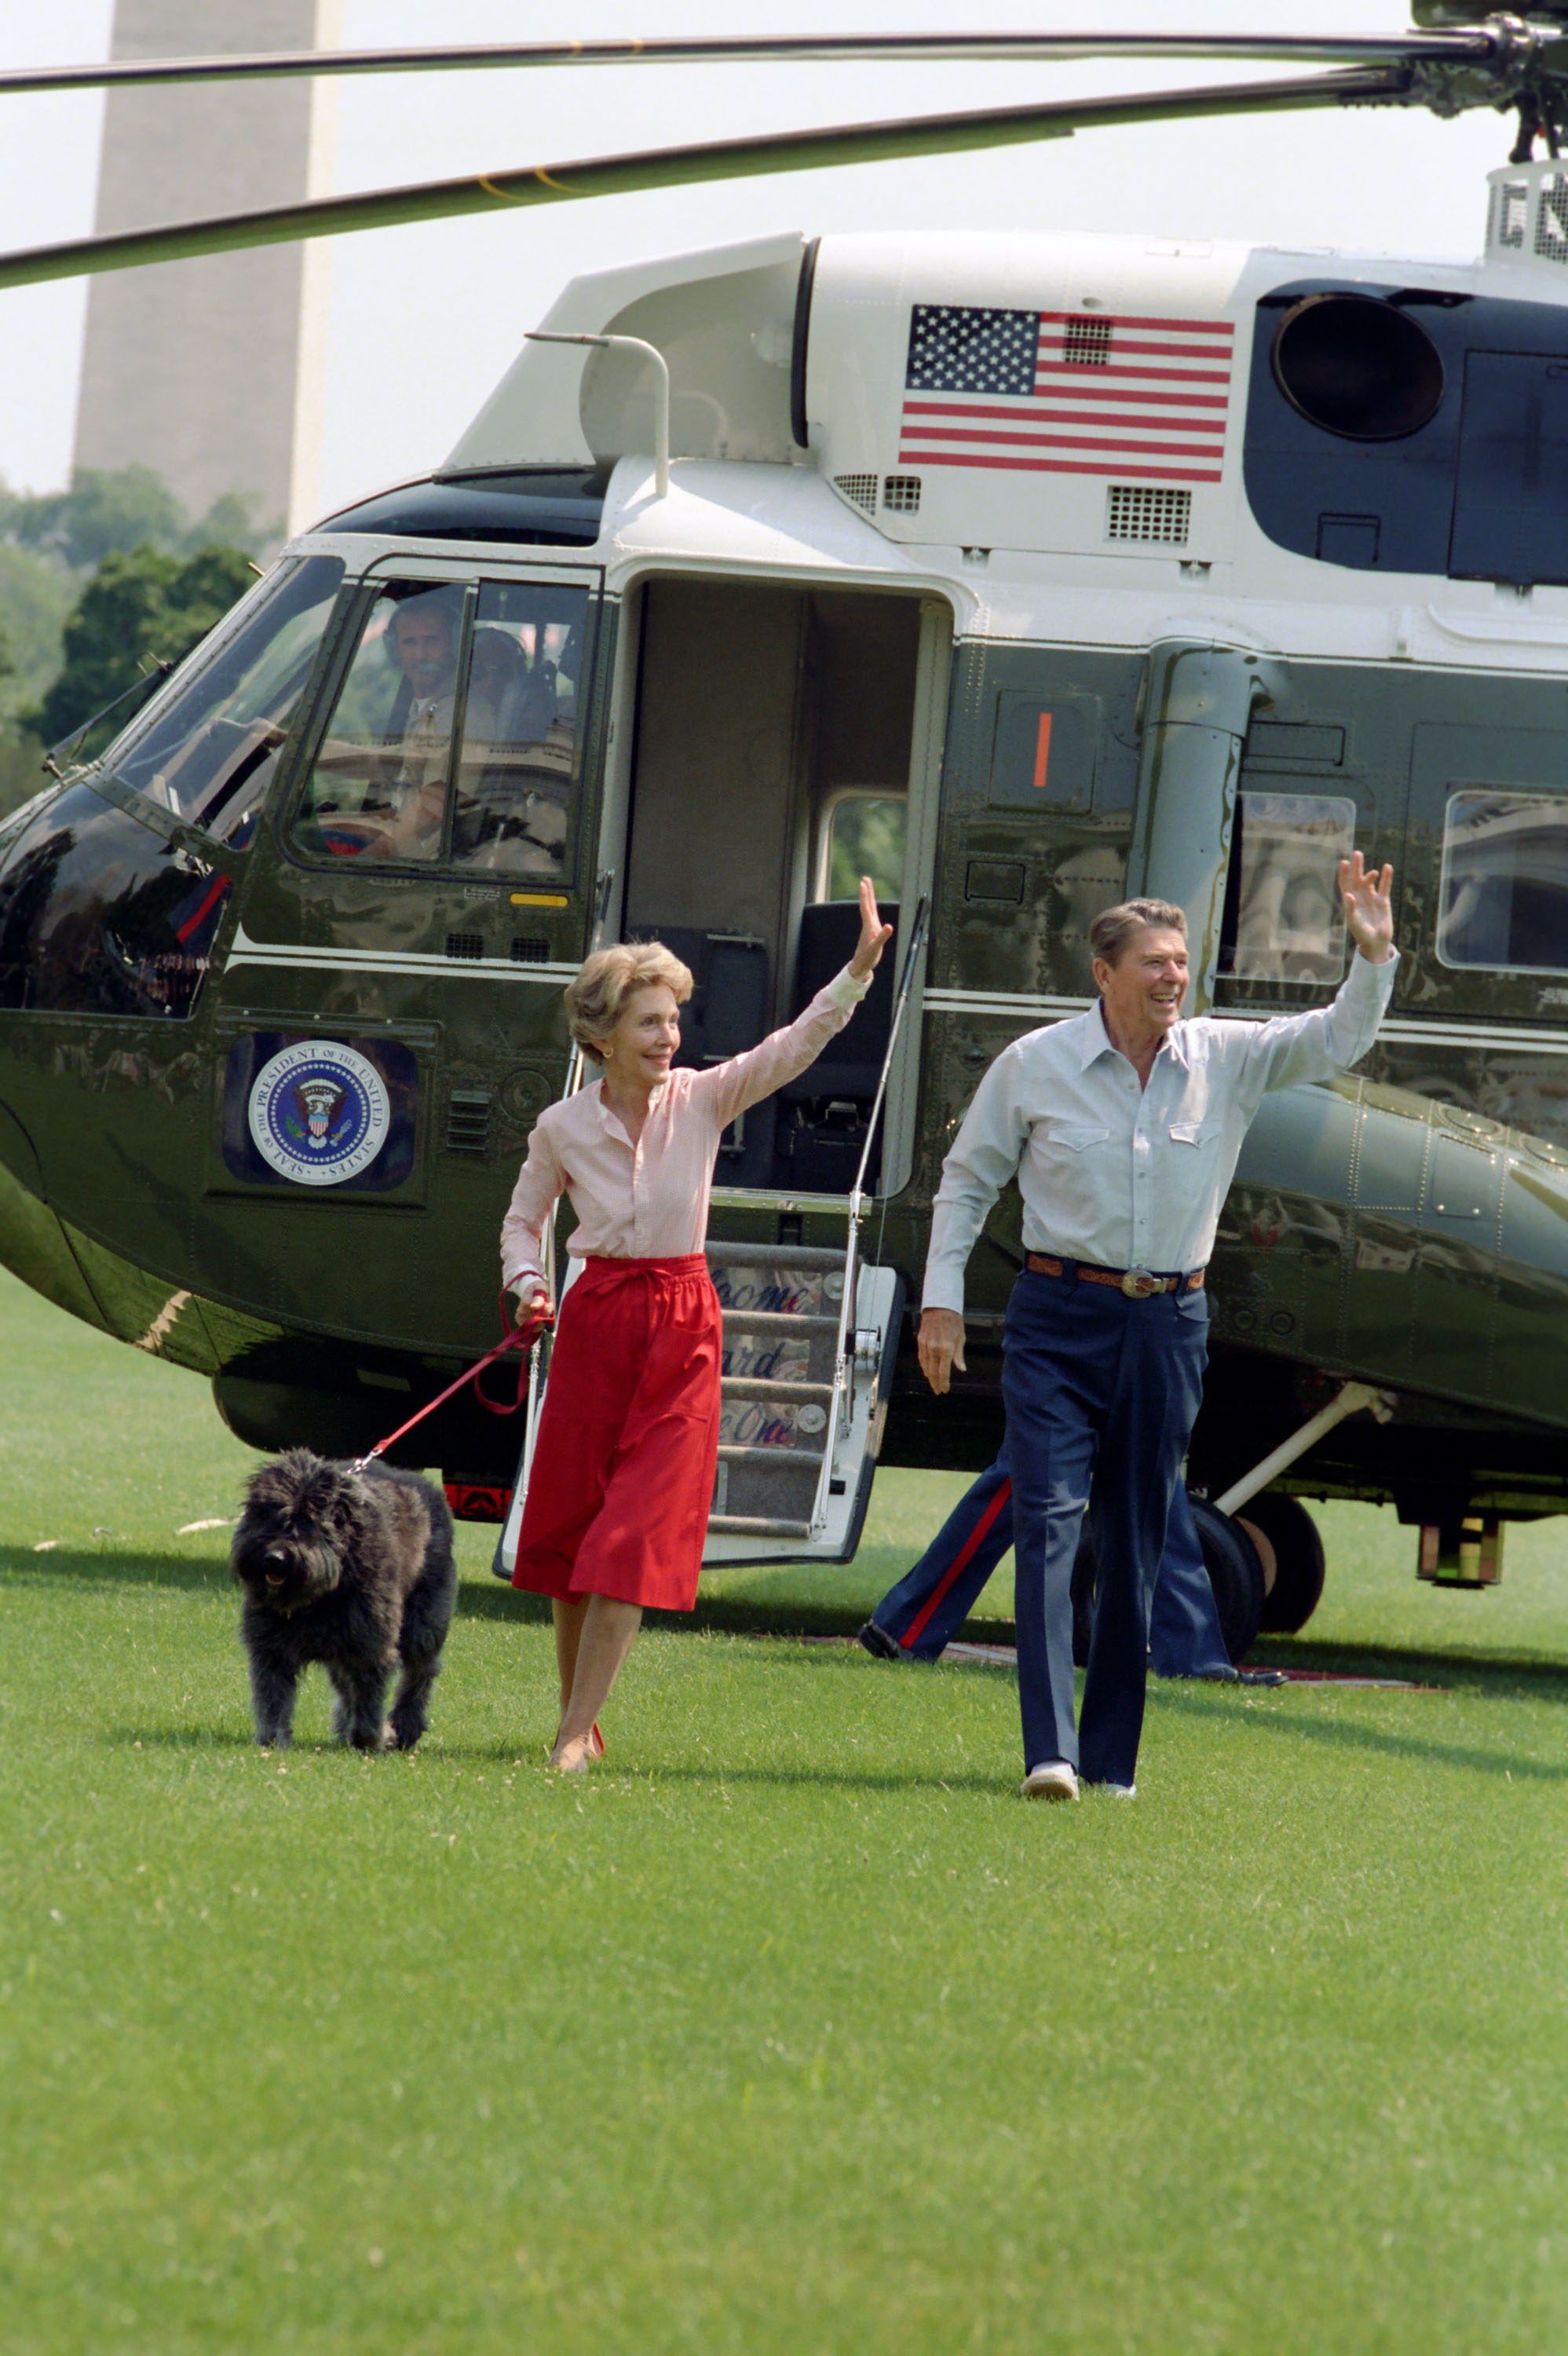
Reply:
x=966, y=1555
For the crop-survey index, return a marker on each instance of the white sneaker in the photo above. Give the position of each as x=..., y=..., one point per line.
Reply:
x=1054, y=1781
x=1119, y=1790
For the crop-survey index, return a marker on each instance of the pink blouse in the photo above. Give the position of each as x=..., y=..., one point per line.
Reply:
x=649, y=1201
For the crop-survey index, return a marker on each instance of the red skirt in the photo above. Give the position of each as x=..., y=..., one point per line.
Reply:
x=628, y=1444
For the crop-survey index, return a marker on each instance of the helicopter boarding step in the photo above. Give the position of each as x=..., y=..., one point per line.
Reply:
x=800, y=1420
x=802, y=1398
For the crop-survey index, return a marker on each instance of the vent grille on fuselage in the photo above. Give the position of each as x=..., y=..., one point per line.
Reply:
x=1140, y=511
x=1526, y=217
x=1550, y=240
x=468, y=1122
x=1508, y=213
x=859, y=489
x=1086, y=343
x=900, y=493
x=528, y=949
x=465, y=945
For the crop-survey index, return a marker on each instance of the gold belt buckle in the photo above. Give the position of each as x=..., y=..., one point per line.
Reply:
x=1138, y=1284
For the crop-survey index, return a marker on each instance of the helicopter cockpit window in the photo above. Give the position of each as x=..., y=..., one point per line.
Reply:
x=392, y=782
x=1284, y=917
x=208, y=747
x=1504, y=893
x=377, y=786
x=517, y=769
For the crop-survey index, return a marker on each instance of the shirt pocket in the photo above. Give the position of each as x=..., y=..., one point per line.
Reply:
x=1077, y=1137
x=1191, y=1162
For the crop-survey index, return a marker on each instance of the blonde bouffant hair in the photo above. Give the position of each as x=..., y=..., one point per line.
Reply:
x=596, y=998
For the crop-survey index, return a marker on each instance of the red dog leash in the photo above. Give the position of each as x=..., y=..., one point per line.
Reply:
x=521, y=1337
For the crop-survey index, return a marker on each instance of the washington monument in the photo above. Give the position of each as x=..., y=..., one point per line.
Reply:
x=207, y=370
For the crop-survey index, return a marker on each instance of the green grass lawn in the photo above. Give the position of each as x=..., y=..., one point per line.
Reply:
x=791, y=2029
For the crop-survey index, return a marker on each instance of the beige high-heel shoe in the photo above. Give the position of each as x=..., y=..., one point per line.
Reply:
x=595, y=1746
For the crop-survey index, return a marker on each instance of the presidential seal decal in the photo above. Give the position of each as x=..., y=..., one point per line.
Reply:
x=319, y=1113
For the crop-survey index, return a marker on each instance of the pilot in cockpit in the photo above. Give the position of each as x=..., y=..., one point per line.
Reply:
x=514, y=779
x=511, y=786
x=401, y=817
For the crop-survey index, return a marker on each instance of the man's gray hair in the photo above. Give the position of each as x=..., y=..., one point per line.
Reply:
x=1113, y=928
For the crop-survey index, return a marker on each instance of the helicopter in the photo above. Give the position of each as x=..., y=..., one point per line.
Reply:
x=1035, y=573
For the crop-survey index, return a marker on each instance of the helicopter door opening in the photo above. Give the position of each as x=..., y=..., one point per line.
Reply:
x=782, y=747
x=784, y=742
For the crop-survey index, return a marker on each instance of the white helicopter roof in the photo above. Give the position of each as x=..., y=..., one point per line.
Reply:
x=1055, y=392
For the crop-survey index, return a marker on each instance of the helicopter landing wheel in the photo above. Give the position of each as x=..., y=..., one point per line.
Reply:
x=1288, y=1532
x=1235, y=1573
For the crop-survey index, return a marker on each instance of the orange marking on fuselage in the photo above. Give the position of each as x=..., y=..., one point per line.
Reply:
x=1042, y=753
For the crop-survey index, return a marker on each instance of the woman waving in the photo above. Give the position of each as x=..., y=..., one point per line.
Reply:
x=628, y=1444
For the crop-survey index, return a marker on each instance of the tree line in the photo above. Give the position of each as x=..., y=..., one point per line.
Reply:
x=98, y=584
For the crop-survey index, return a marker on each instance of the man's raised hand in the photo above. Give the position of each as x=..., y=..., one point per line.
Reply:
x=1367, y=911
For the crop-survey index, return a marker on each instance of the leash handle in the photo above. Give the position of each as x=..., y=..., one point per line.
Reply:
x=522, y=1337
x=536, y=1324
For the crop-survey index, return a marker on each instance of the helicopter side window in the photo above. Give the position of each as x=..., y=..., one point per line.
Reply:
x=517, y=769
x=861, y=834
x=1284, y=918
x=379, y=786
x=207, y=747
x=1503, y=900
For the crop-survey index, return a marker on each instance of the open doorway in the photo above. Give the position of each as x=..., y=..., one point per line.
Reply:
x=774, y=746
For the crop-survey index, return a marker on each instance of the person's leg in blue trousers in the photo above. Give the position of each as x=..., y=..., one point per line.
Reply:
x=1185, y=1639
x=1157, y=1393
x=1102, y=1393
x=924, y=1611
x=1061, y=1352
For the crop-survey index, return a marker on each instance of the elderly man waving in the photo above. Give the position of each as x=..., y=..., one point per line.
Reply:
x=1123, y=1128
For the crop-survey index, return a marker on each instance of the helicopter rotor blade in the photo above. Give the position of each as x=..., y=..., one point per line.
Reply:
x=793, y=151
x=1472, y=45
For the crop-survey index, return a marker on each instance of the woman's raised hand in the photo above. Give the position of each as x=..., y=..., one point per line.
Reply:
x=874, y=934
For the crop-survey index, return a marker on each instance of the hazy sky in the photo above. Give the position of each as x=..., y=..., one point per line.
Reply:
x=423, y=321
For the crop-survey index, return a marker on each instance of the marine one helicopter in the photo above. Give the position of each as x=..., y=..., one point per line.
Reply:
x=1062, y=567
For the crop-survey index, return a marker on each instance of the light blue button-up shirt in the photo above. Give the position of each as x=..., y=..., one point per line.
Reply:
x=1120, y=1175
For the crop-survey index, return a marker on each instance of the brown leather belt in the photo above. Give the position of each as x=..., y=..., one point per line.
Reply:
x=1137, y=1284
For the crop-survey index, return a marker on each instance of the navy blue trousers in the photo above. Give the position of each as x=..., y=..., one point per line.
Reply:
x=1102, y=1393
x=929, y=1604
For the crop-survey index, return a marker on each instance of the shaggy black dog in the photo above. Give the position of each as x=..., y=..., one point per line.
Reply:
x=352, y=1570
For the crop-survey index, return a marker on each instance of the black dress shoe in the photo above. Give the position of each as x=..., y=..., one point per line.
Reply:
x=878, y=1644
x=1241, y=1677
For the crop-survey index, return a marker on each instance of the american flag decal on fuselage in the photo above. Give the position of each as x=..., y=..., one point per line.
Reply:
x=1067, y=392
